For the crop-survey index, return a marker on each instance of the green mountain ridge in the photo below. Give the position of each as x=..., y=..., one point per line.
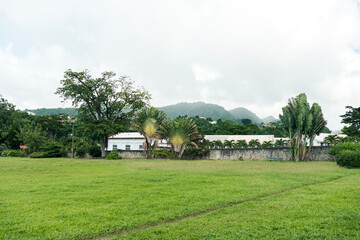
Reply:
x=49, y=111
x=201, y=109
x=213, y=111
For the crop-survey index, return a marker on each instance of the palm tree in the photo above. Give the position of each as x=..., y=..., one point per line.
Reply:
x=318, y=123
x=331, y=140
x=218, y=144
x=241, y=144
x=229, y=143
x=280, y=143
x=267, y=144
x=302, y=123
x=179, y=133
x=254, y=143
x=147, y=122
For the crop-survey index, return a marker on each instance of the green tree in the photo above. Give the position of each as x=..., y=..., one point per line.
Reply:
x=33, y=136
x=147, y=122
x=331, y=140
x=351, y=117
x=6, y=117
x=229, y=143
x=218, y=144
x=104, y=102
x=241, y=144
x=280, y=143
x=179, y=133
x=267, y=144
x=302, y=123
x=254, y=143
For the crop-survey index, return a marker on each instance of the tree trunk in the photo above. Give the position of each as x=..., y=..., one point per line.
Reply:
x=103, y=143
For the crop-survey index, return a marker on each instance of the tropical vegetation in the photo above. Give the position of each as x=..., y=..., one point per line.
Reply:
x=302, y=123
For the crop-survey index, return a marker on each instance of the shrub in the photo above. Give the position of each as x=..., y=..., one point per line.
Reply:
x=113, y=155
x=162, y=153
x=94, y=150
x=13, y=153
x=349, y=159
x=193, y=153
x=337, y=149
x=38, y=155
x=52, y=149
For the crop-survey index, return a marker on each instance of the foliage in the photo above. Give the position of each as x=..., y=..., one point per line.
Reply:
x=104, y=102
x=94, y=150
x=199, y=150
x=52, y=149
x=254, y=143
x=241, y=144
x=229, y=143
x=237, y=127
x=33, y=136
x=147, y=122
x=280, y=143
x=302, y=124
x=179, y=133
x=13, y=153
x=72, y=112
x=351, y=117
x=162, y=153
x=38, y=155
x=52, y=124
x=195, y=153
x=267, y=144
x=218, y=144
x=341, y=147
x=113, y=156
x=348, y=158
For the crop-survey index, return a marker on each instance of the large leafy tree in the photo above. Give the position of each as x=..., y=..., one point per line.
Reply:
x=179, y=133
x=351, y=117
x=6, y=117
x=104, y=102
x=147, y=122
x=302, y=123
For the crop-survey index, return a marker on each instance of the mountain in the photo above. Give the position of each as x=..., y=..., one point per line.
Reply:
x=200, y=109
x=242, y=113
x=48, y=111
x=269, y=119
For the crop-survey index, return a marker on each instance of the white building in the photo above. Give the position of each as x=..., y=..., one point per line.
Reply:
x=125, y=141
x=319, y=140
x=247, y=138
x=129, y=141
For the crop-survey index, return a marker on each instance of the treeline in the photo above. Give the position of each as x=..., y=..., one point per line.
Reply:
x=237, y=127
x=35, y=133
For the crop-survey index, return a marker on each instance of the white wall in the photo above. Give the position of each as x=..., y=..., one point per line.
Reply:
x=135, y=144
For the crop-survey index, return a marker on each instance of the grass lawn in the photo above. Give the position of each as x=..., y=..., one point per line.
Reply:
x=167, y=199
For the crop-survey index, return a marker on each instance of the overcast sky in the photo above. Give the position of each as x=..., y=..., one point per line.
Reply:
x=249, y=53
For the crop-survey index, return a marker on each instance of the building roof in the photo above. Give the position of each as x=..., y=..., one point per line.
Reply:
x=247, y=138
x=321, y=137
x=127, y=135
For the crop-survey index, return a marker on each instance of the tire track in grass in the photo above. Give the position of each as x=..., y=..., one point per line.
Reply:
x=209, y=210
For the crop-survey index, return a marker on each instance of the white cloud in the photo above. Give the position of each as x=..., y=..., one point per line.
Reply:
x=204, y=74
x=254, y=54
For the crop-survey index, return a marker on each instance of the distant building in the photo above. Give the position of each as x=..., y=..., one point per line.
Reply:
x=319, y=140
x=247, y=138
x=129, y=141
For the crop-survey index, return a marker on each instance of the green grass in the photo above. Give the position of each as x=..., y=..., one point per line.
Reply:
x=85, y=199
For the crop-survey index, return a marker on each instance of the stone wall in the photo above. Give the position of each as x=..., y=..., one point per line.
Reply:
x=317, y=154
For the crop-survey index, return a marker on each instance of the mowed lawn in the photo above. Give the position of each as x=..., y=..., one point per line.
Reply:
x=168, y=199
